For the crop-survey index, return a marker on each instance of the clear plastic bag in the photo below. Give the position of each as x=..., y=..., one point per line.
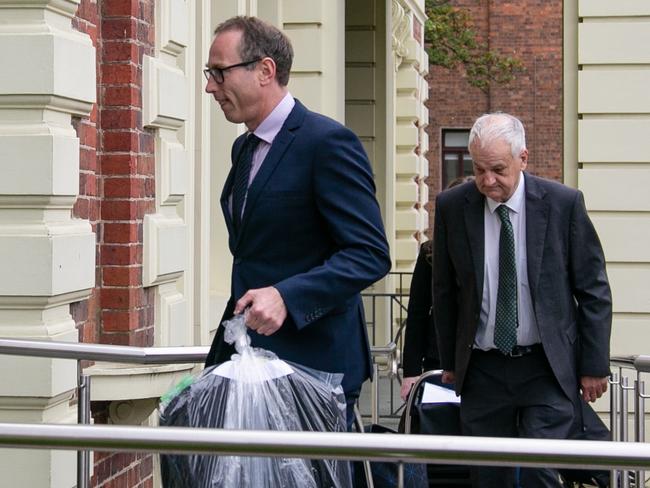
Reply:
x=256, y=391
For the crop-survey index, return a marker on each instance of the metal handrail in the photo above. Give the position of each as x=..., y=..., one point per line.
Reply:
x=485, y=451
x=137, y=355
x=642, y=364
x=104, y=352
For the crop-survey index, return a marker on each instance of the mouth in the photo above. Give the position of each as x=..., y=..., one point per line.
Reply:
x=221, y=102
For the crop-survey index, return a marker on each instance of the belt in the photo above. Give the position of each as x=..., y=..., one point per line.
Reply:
x=517, y=351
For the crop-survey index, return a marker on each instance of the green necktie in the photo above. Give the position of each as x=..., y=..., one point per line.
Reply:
x=505, y=320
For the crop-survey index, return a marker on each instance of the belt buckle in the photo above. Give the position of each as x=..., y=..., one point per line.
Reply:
x=517, y=352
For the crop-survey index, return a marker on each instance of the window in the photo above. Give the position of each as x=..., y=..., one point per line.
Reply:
x=456, y=160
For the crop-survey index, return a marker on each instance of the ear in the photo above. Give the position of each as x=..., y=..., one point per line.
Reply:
x=524, y=158
x=267, y=71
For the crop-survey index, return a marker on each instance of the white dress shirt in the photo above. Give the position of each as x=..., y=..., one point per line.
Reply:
x=267, y=131
x=527, y=331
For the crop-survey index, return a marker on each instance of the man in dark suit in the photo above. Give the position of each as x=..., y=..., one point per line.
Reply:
x=304, y=226
x=522, y=304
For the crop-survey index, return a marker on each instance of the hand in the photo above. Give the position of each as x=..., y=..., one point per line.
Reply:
x=407, y=384
x=448, y=377
x=592, y=387
x=267, y=311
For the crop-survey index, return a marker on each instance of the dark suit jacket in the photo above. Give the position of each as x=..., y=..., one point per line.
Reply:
x=420, y=348
x=312, y=229
x=566, y=273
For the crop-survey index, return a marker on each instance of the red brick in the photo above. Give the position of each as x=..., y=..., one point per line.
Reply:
x=115, y=254
x=117, y=339
x=87, y=134
x=120, y=141
x=119, y=164
x=94, y=210
x=121, y=96
x=87, y=184
x=149, y=187
x=88, y=159
x=80, y=209
x=147, y=142
x=146, y=165
x=147, y=12
x=123, y=187
x=145, y=207
x=119, y=74
x=114, y=233
x=119, y=209
x=93, y=114
x=87, y=11
x=122, y=275
x=120, y=321
x=120, y=51
x=120, y=298
x=119, y=28
x=117, y=8
x=121, y=118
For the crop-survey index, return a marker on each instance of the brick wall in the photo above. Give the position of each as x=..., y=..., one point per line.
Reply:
x=117, y=188
x=532, y=31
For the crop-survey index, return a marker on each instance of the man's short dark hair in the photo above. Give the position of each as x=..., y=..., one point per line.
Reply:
x=261, y=40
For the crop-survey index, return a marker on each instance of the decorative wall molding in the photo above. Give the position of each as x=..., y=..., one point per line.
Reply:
x=166, y=108
x=48, y=258
x=401, y=30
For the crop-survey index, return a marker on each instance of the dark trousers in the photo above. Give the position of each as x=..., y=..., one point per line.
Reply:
x=351, y=398
x=514, y=397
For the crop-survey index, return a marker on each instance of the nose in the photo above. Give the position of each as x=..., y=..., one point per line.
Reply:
x=488, y=178
x=211, y=85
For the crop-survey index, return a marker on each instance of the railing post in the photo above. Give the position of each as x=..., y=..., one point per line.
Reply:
x=639, y=421
x=613, y=420
x=83, y=417
x=374, y=407
x=625, y=482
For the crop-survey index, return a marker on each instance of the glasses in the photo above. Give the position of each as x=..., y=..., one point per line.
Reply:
x=217, y=73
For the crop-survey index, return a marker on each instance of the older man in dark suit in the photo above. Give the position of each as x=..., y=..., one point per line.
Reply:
x=522, y=304
x=304, y=224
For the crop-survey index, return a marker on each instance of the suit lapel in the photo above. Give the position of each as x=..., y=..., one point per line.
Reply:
x=280, y=144
x=474, y=225
x=227, y=188
x=536, y=223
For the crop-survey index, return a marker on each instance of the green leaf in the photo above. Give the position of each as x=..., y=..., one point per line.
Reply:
x=451, y=41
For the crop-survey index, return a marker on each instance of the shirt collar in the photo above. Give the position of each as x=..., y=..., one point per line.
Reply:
x=272, y=124
x=515, y=202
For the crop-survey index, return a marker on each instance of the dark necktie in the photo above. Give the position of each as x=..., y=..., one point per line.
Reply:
x=505, y=321
x=242, y=172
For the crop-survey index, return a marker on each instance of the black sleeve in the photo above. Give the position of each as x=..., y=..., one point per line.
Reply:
x=419, y=324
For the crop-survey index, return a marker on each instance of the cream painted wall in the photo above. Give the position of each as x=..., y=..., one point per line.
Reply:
x=48, y=258
x=607, y=75
x=613, y=152
x=411, y=117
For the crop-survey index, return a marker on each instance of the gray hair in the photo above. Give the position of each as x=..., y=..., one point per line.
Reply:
x=261, y=40
x=491, y=127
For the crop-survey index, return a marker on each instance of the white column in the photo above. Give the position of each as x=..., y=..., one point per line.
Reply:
x=167, y=233
x=48, y=257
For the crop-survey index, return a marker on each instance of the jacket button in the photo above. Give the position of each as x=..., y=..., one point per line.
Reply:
x=237, y=261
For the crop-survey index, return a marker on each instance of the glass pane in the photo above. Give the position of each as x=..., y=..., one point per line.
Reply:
x=449, y=168
x=468, y=169
x=451, y=158
x=456, y=138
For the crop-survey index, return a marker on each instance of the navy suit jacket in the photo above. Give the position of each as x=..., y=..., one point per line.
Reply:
x=311, y=228
x=566, y=273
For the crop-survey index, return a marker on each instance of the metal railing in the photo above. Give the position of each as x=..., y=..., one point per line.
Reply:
x=137, y=355
x=391, y=307
x=484, y=451
x=625, y=369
